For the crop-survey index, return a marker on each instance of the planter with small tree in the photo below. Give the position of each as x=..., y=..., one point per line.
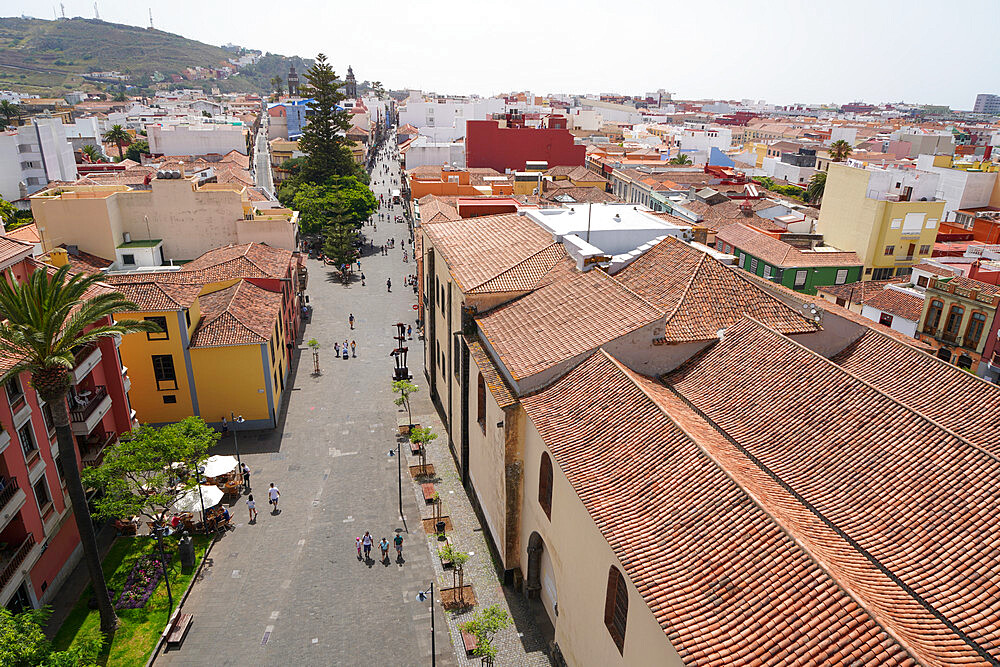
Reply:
x=421, y=437
x=483, y=627
x=314, y=346
x=459, y=596
x=405, y=388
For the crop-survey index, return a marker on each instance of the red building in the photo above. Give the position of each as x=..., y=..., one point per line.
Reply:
x=36, y=520
x=487, y=145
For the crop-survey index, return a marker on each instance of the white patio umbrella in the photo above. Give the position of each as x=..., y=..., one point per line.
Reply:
x=191, y=502
x=219, y=465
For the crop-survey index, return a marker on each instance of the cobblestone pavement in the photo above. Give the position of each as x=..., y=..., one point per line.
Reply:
x=289, y=589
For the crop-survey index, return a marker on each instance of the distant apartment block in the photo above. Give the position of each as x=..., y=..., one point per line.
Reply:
x=987, y=103
x=32, y=155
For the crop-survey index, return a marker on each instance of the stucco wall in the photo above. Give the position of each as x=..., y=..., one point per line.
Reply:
x=580, y=557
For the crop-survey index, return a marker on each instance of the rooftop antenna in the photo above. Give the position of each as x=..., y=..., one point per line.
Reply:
x=97, y=14
x=150, y=18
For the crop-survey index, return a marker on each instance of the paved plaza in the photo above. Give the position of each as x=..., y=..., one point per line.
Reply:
x=290, y=589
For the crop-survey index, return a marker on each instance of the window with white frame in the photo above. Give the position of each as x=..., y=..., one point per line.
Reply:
x=841, y=276
x=742, y=259
x=800, y=278
x=753, y=265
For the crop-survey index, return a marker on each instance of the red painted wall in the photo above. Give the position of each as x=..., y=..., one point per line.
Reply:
x=487, y=145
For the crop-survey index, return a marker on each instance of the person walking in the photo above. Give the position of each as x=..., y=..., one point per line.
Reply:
x=246, y=476
x=252, y=507
x=272, y=497
x=366, y=543
x=409, y=332
x=398, y=541
x=353, y=348
x=362, y=280
x=351, y=320
x=384, y=546
x=336, y=349
x=343, y=349
x=357, y=542
x=388, y=284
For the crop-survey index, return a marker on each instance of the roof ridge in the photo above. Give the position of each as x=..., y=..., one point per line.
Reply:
x=840, y=369
x=741, y=277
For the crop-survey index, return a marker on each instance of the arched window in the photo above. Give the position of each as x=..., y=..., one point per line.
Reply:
x=545, y=484
x=481, y=403
x=933, y=316
x=616, y=608
x=975, y=329
x=953, y=323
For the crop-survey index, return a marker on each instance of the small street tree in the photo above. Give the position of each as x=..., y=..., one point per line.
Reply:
x=324, y=139
x=138, y=476
x=120, y=137
x=277, y=85
x=23, y=642
x=136, y=150
x=484, y=626
x=314, y=346
x=422, y=437
x=50, y=315
x=457, y=558
x=405, y=388
x=340, y=247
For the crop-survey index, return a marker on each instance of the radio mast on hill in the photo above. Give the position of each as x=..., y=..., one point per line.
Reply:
x=150, y=18
x=97, y=14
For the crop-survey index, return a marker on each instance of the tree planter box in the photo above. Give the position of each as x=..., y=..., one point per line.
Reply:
x=404, y=425
x=429, y=527
x=441, y=544
x=450, y=598
x=422, y=471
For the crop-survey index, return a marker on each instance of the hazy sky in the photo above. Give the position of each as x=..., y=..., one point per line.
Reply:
x=780, y=50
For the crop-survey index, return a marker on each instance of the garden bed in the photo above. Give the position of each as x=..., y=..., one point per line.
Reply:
x=422, y=471
x=431, y=529
x=139, y=629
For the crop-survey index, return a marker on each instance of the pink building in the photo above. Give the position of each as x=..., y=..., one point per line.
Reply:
x=39, y=541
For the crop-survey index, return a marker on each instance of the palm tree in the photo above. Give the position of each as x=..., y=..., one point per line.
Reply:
x=48, y=316
x=120, y=137
x=817, y=185
x=681, y=159
x=8, y=110
x=93, y=152
x=840, y=150
x=276, y=84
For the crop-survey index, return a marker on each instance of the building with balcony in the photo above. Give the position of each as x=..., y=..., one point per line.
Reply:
x=889, y=217
x=189, y=216
x=959, y=319
x=39, y=542
x=32, y=155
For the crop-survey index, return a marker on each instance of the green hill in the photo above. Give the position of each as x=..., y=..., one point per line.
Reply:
x=50, y=57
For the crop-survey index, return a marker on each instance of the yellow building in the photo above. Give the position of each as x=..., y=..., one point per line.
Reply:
x=889, y=217
x=221, y=351
x=190, y=217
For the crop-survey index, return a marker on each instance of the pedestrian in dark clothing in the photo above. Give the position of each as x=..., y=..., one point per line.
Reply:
x=362, y=280
x=388, y=284
x=246, y=476
x=351, y=320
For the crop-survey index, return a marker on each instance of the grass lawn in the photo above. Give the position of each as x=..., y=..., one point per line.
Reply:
x=138, y=629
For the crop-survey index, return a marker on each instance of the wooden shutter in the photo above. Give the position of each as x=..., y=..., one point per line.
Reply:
x=545, y=484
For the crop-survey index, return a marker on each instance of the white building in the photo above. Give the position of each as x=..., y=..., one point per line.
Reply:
x=32, y=155
x=448, y=114
x=601, y=233
x=898, y=307
x=959, y=188
x=424, y=151
x=199, y=139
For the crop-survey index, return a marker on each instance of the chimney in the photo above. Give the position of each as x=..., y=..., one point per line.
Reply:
x=73, y=250
x=57, y=257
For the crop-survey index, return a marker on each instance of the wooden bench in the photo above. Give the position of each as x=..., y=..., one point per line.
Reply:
x=470, y=642
x=182, y=622
x=415, y=449
x=428, y=491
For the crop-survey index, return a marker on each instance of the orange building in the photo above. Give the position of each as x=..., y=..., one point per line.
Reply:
x=450, y=182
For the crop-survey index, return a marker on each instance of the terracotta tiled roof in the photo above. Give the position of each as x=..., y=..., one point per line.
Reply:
x=857, y=292
x=85, y=262
x=25, y=234
x=501, y=391
x=901, y=492
x=970, y=284
x=568, y=314
x=433, y=209
x=524, y=275
x=725, y=580
x=719, y=215
x=241, y=314
x=957, y=400
x=896, y=302
x=584, y=174
x=156, y=296
x=700, y=296
x=580, y=195
x=11, y=249
x=246, y=260
x=478, y=249
x=778, y=253
x=936, y=270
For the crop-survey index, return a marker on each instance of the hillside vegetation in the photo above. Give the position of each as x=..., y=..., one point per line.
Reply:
x=49, y=57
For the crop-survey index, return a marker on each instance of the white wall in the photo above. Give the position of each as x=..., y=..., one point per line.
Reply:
x=839, y=133
x=423, y=152
x=196, y=140
x=903, y=326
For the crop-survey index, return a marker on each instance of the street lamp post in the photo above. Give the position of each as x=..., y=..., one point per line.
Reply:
x=236, y=443
x=422, y=596
x=166, y=572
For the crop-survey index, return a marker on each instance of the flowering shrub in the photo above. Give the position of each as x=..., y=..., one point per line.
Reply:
x=141, y=582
